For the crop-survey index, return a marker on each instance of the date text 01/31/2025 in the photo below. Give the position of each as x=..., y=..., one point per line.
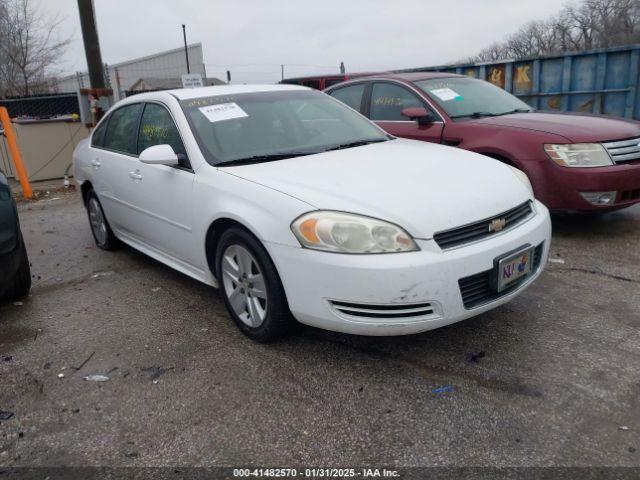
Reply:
x=314, y=473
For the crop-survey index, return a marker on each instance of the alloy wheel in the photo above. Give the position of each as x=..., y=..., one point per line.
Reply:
x=244, y=285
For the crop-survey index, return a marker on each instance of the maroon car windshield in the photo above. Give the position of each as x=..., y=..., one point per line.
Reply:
x=467, y=97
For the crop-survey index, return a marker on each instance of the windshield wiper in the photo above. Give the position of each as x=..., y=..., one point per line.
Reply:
x=517, y=110
x=357, y=143
x=262, y=158
x=476, y=115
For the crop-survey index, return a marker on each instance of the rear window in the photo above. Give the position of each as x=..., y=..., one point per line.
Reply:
x=312, y=84
x=332, y=81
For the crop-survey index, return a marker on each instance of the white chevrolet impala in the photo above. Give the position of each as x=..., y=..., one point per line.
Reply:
x=298, y=208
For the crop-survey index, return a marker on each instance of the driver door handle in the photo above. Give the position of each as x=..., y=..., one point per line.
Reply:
x=136, y=175
x=95, y=162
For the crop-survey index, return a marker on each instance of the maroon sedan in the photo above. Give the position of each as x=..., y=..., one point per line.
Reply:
x=576, y=162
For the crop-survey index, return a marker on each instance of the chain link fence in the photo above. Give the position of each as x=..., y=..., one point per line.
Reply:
x=42, y=106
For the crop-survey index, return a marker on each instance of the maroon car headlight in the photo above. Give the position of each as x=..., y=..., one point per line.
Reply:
x=578, y=154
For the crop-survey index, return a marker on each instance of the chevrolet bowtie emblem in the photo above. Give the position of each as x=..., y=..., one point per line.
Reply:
x=497, y=224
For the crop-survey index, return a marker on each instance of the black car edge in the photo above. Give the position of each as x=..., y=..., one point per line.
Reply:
x=15, y=274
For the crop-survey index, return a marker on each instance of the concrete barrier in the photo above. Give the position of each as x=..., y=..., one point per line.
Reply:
x=46, y=145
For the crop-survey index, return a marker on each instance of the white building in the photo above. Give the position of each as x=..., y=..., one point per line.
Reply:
x=170, y=64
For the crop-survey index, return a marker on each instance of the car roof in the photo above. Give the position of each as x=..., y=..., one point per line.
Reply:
x=331, y=76
x=412, y=76
x=203, y=92
x=188, y=93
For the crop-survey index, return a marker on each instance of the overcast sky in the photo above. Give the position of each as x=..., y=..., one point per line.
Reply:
x=253, y=37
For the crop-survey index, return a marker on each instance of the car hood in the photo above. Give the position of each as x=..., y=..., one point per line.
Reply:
x=424, y=188
x=575, y=127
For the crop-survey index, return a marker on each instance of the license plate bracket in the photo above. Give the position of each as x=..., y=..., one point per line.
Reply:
x=512, y=267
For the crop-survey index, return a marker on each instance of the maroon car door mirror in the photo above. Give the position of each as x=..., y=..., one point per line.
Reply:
x=420, y=114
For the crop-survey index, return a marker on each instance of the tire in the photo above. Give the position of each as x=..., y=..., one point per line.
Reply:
x=21, y=283
x=241, y=258
x=100, y=228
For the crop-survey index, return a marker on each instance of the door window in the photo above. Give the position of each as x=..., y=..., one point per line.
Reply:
x=98, y=134
x=350, y=96
x=157, y=128
x=388, y=101
x=121, y=130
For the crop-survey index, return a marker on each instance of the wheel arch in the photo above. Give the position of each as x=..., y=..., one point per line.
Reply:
x=215, y=231
x=85, y=188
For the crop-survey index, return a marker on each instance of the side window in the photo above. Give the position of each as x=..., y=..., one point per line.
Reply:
x=157, y=128
x=98, y=134
x=121, y=130
x=388, y=101
x=350, y=96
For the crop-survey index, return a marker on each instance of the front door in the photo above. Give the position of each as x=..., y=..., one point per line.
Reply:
x=385, y=108
x=162, y=195
x=111, y=161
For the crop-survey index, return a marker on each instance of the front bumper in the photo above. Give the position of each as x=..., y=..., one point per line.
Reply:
x=313, y=280
x=559, y=187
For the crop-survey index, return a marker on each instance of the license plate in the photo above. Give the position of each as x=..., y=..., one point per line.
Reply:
x=514, y=267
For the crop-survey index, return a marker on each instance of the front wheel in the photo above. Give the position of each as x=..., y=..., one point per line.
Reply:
x=251, y=287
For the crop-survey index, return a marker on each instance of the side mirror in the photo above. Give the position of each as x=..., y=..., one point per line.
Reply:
x=420, y=114
x=159, y=155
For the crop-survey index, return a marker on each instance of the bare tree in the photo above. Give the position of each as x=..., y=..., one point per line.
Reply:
x=30, y=47
x=587, y=25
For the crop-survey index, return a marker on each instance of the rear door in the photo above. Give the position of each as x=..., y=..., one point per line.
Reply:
x=351, y=95
x=385, y=105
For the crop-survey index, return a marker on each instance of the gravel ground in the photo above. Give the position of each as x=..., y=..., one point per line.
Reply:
x=551, y=379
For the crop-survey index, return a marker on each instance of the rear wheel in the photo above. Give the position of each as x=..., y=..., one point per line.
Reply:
x=250, y=287
x=102, y=233
x=21, y=283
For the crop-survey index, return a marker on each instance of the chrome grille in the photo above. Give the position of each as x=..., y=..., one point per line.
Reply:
x=623, y=150
x=479, y=230
x=384, y=311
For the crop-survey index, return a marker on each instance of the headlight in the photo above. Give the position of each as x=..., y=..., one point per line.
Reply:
x=349, y=233
x=579, y=155
x=523, y=178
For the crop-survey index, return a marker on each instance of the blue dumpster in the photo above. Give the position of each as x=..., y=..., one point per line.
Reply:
x=595, y=81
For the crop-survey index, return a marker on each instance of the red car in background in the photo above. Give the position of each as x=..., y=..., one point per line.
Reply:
x=575, y=162
x=320, y=82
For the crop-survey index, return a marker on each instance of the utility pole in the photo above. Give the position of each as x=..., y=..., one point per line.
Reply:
x=91, y=43
x=282, y=71
x=186, y=50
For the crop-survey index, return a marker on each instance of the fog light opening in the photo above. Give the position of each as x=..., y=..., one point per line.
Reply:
x=599, y=198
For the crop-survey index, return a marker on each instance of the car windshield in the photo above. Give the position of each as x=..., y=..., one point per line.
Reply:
x=263, y=126
x=464, y=97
